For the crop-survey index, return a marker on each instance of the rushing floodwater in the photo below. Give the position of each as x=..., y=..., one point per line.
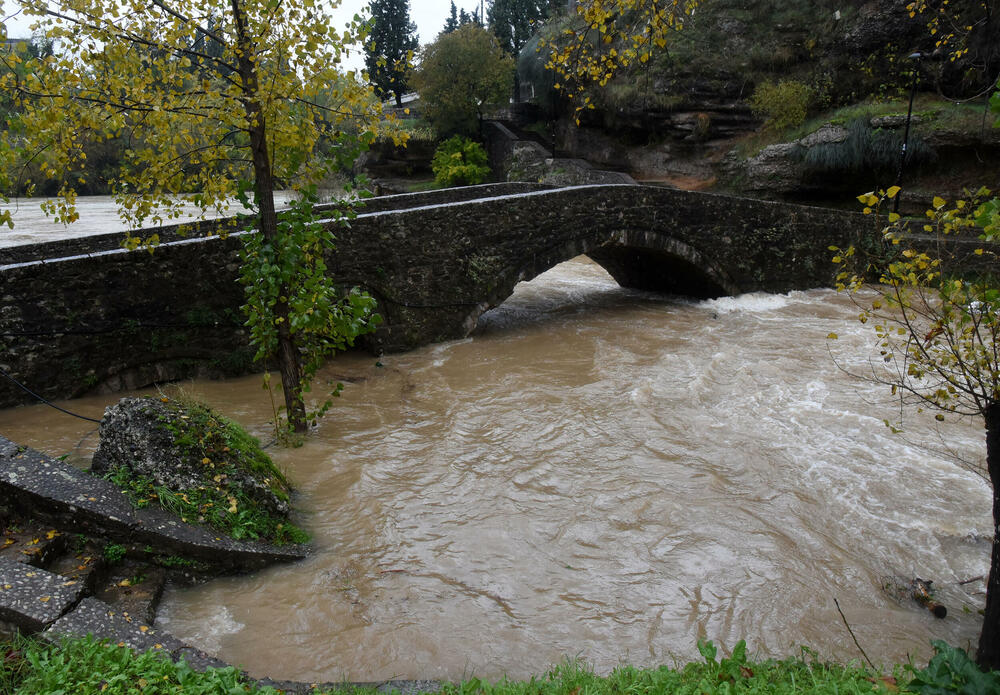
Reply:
x=601, y=474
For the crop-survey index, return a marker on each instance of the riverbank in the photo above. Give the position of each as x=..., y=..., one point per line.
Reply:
x=86, y=667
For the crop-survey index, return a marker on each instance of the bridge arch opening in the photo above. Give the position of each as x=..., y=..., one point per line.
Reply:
x=657, y=270
x=635, y=260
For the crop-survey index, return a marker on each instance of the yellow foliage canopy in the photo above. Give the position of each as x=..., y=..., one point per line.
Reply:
x=611, y=35
x=190, y=84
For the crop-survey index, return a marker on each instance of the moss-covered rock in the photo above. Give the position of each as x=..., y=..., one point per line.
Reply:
x=196, y=463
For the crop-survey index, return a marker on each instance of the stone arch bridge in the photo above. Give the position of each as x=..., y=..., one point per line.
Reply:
x=83, y=315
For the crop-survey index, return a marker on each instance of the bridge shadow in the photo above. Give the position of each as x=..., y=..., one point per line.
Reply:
x=605, y=273
x=582, y=287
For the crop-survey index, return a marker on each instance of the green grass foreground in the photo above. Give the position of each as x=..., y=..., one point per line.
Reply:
x=86, y=666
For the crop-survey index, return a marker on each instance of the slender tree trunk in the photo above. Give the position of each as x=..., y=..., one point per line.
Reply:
x=988, y=656
x=288, y=355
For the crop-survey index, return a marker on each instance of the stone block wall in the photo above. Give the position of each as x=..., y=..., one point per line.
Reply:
x=110, y=319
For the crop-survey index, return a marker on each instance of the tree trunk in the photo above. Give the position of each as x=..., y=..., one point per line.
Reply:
x=988, y=656
x=288, y=354
x=399, y=99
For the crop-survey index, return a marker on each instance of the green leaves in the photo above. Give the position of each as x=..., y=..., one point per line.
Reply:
x=608, y=36
x=459, y=161
x=460, y=73
x=290, y=271
x=951, y=671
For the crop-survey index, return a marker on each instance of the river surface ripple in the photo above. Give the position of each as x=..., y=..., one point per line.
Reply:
x=598, y=473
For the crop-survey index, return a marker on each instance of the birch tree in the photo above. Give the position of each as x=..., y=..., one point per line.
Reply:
x=217, y=99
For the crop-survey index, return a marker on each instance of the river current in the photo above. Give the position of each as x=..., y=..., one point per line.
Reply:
x=601, y=474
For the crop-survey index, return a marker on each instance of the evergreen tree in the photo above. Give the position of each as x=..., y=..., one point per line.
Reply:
x=390, y=45
x=513, y=21
x=452, y=23
x=464, y=18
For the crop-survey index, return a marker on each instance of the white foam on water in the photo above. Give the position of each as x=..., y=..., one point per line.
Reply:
x=752, y=302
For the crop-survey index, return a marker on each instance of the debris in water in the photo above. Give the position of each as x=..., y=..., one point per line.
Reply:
x=920, y=590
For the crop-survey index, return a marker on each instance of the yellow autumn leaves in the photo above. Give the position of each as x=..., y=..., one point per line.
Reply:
x=608, y=36
x=166, y=78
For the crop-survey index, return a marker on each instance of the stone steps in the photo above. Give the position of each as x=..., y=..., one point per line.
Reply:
x=76, y=559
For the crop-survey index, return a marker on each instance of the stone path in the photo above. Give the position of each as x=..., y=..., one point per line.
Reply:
x=50, y=585
x=70, y=498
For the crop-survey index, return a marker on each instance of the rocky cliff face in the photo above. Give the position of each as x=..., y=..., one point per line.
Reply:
x=679, y=118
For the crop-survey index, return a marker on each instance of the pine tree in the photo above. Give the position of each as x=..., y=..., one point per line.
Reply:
x=390, y=46
x=513, y=21
x=452, y=23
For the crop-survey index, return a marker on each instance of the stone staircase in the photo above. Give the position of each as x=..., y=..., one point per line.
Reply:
x=76, y=559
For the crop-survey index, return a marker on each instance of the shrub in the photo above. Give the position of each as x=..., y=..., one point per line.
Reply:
x=459, y=161
x=866, y=149
x=784, y=105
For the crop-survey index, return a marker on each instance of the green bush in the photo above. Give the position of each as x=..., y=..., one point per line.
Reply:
x=866, y=149
x=459, y=161
x=952, y=671
x=784, y=105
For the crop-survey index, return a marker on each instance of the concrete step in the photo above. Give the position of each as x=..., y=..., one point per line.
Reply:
x=134, y=588
x=33, y=599
x=82, y=560
x=30, y=543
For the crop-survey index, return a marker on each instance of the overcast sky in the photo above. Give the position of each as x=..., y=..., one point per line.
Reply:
x=430, y=15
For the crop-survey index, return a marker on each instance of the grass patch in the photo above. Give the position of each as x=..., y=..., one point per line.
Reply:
x=222, y=459
x=88, y=667
x=224, y=509
x=930, y=114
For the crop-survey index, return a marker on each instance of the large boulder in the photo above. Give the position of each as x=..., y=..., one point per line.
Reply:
x=185, y=448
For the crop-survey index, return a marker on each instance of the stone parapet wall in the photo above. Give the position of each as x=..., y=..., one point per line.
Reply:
x=96, y=243
x=114, y=320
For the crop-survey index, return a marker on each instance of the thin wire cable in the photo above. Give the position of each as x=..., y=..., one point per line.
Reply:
x=43, y=400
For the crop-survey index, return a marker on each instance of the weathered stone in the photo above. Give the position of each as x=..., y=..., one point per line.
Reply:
x=133, y=587
x=775, y=168
x=134, y=436
x=827, y=134
x=896, y=120
x=70, y=498
x=528, y=161
x=62, y=495
x=93, y=617
x=145, y=436
x=31, y=598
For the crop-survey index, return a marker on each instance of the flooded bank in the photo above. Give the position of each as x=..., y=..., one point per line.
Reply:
x=596, y=473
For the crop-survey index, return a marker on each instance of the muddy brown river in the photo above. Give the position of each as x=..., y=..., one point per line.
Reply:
x=598, y=474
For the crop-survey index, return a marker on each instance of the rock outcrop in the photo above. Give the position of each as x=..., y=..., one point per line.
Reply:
x=187, y=447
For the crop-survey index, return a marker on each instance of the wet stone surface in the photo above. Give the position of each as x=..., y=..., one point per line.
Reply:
x=69, y=497
x=97, y=618
x=34, y=598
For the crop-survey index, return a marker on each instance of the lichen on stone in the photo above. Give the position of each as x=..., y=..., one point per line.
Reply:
x=188, y=459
